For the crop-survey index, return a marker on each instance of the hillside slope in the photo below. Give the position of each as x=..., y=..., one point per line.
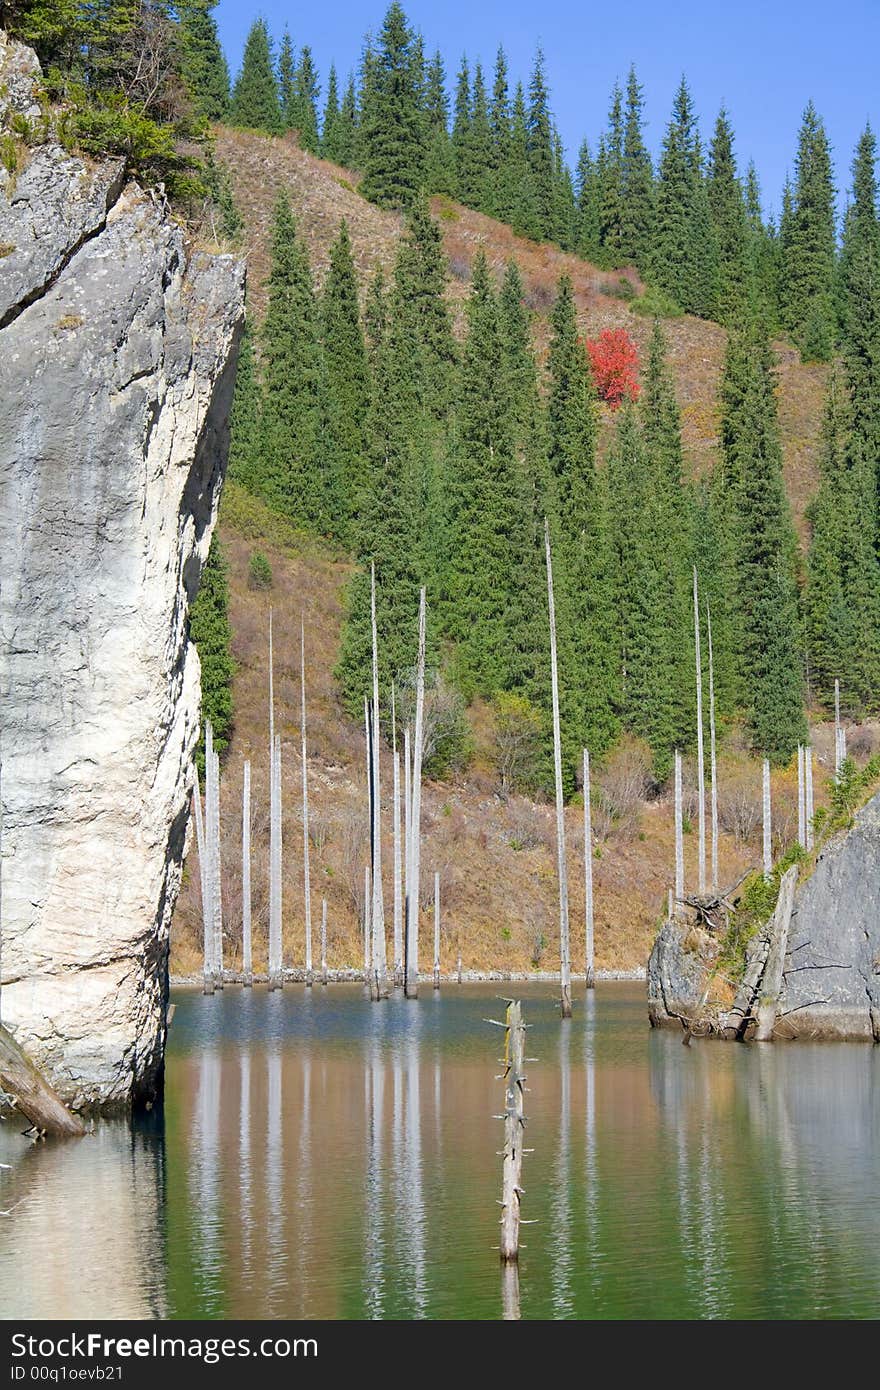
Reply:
x=496, y=857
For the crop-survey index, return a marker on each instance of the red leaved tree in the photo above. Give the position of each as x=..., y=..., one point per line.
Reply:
x=614, y=358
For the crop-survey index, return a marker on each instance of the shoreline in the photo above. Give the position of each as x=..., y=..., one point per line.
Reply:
x=468, y=977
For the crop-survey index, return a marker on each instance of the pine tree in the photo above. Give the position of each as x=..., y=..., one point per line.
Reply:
x=347, y=130
x=392, y=126
x=564, y=201
x=637, y=178
x=770, y=666
x=500, y=199
x=610, y=182
x=210, y=631
x=244, y=464
x=808, y=251
x=307, y=90
x=419, y=303
x=255, y=102
x=295, y=479
x=842, y=595
x=480, y=145
x=461, y=132
x=346, y=386
x=202, y=62
x=588, y=688
x=540, y=147
x=762, y=271
x=728, y=223
x=684, y=255
x=287, y=82
x=440, y=164
x=525, y=217
x=860, y=302
x=331, y=142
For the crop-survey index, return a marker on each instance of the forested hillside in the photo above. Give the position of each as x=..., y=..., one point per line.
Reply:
x=453, y=336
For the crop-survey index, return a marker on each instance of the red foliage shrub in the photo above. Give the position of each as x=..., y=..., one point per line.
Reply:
x=614, y=358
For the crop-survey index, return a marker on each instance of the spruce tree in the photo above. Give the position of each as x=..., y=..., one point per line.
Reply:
x=245, y=465
x=210, y=631
x=587, y=233
x=762, y=271
x=637, y=209
x=392, y=125
x=307, y=90
x=500, y=197
x=610, y=183
x=295, y=478
x=440, y=164
x=728, y=223
x=684, y=255
x=525, y=216
x=331, y=143
x=588, y=686
x=419, y=302
x=202, y=63
x=770, y=659
x=564, y=200
x=255, y=103
x=540, y=147
x=808, y=250
x=346, y=386
x=480, y=146
x=347, y=130
x=287, y=82
x=860, y=302
x=461, y=133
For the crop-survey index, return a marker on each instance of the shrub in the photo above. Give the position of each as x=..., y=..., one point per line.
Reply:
x=448, y=742
x=656, y=304
x=614, y=358
x=259, y=571
x=518, y=743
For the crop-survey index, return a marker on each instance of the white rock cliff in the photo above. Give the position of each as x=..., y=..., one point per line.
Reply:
x=117, y=358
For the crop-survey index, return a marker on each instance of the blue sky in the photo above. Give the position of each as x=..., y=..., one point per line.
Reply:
x=762, y=58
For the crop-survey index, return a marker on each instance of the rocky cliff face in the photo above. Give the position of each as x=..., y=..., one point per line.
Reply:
x=117, y=358
x=831, y=980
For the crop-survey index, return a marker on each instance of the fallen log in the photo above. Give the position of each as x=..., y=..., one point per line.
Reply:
x=32, y=1095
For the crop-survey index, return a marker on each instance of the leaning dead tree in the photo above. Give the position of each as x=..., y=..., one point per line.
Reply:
x=514, y=1131
x=247, y=963
x=756, y=1004
x=589, y=962
x=276, y=979
x=32, y=1096
x=713, y=909
x=307, y=882
x=701, y=769
x=564, y=945
x=379, y=967
x=414, y=835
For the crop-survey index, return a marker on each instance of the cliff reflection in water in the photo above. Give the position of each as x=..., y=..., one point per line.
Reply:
x=323, y=1157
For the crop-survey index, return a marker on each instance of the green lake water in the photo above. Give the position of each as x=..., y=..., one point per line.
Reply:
x=319, y=1156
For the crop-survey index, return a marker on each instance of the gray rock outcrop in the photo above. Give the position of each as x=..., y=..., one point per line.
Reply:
x=117, y=360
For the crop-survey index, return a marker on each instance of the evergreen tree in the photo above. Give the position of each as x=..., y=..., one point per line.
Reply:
x=842, y=596
x=762, y=271
x=860, y=302
x=588, y=687
x=346, y=385
x=540, y=147
x=610, y=182
x=244, y=464
x=331, y=142
x=202, y=63
x=295, y=478
x=461, y=133
x=587, y=233
x=728, y=223
x=564, y=201
x=255, y=102
x=684, y=255
x=480, y=146
x=307, y=90
x=211, y=633
x=393, y=131
x=440, y=164
x=347, y=134
x=420, y=283
x=637, y=178
x=525, y=217
x=770, y=657
x=287, y=82
x=808, y=248
x=500, y=199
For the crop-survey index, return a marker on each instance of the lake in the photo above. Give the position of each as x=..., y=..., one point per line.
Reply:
x=320, y=1156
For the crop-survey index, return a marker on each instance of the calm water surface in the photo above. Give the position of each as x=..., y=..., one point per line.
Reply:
x=319, y=1156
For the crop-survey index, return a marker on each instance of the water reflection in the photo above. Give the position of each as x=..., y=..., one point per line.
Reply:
x=320, y=1156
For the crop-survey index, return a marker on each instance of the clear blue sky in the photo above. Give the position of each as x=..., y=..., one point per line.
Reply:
x=764, y=59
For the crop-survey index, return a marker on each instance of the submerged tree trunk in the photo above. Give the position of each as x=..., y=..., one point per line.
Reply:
x=398, y=887
x=589, y=964
x=379, y=972
x=436, y=930
x=307, y=881
x=415, y=832
x=323, y=941
x=275, y=971
x=247, y=963
x=564, y=944
x=514, y=1130
x=33, y=1096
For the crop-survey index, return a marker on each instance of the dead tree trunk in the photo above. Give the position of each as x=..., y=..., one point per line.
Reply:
x=514, y=1127
x=802, y=799
x=204, y=884
x=367, y=932
x=771, y=981
x=415, y=837
x=809, y=793
x=679, y=835
x=407, y=846
x=713, y=760
x=589, y=965
x=307, y=880
x=701, y=767
x=398, y=886
x=379, y=972
x=247, y=963
x=323, y=941
x=276, y=977
x=436, y=930
x=767, y=837
x=562, y=871
x=33, y=1096
x=837, y=757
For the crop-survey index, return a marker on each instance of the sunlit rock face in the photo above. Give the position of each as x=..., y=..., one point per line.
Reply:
x=117, y=359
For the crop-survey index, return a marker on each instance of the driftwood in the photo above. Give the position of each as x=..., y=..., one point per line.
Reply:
x=33, y=1096
x=712, y=909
